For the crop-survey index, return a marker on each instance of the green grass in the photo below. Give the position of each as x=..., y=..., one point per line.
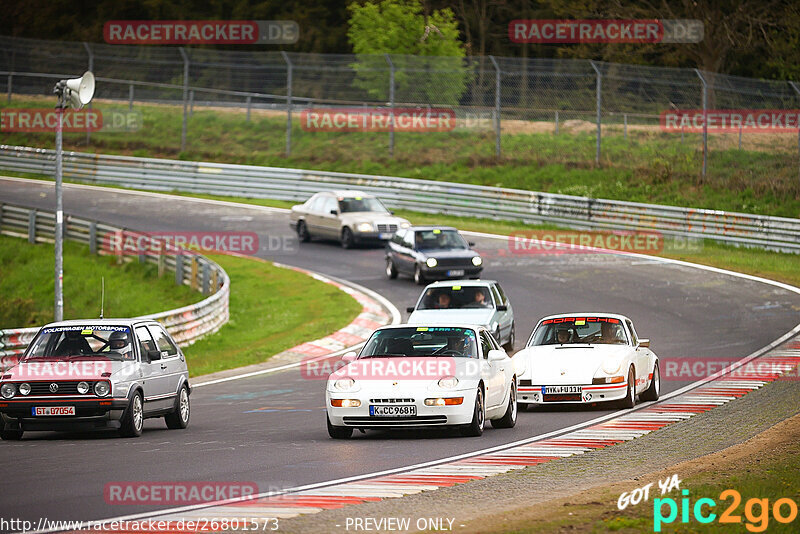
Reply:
x=272, y=309
x=650, y=166
x=27, y=282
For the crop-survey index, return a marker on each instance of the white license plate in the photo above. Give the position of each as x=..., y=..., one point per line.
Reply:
x=554, y=390
x=392, y=410
x=456, y=272
x=384, y=236
x=53, y=410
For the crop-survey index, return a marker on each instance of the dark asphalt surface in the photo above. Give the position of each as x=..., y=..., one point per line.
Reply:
x=271, y=429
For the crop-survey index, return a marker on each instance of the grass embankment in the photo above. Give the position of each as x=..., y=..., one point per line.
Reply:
x=649, y=166
x=271, y=309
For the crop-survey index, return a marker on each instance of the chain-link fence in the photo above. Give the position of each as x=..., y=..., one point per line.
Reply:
x=501, y=96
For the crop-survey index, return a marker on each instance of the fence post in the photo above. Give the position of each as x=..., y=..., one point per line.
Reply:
x=191, y=103
x=625, y=121
x=179, y=268
x=91, y=69
x=1, y=217
x=705, y=121
x=93, y=237
x=496, y=106
x=391, y=105
x=130, y=97
x=32, y=226
x=249, y=99
x=193, y=271
x=289, y=73
x=206, y=274
x=10, y=78
x=599, y=107
x=185, y=96
x=556, y=122
x=797, y=90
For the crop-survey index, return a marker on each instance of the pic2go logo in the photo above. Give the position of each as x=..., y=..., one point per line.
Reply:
x=756, y=511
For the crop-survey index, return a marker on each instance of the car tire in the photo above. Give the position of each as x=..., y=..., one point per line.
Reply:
x=511, y=338
x=509, y=418
x=475, y=427
x=132, y=420
x=11, y=434
x=348, y=241
x=391, y=270
x=630, y=393
x=419, y=278
x=338, y=432
x=654, y=391
x=302, y=232
x=179, y=419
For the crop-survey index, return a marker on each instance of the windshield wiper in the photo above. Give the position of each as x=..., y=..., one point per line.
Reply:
x=384, y=356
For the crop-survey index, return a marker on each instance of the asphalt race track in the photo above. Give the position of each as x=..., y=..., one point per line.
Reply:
x=270, y=429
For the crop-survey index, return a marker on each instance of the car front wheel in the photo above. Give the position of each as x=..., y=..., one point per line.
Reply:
x=10, y=434
x=652, y=393
x=630, y=395
x=391, y=270
x=419, y=278
x=509, y=419
x=348, y=241
x=338, y=432
x=302, y=232
x=133, y=419
x=509, y=346
x=475, y=427
x=180, y=417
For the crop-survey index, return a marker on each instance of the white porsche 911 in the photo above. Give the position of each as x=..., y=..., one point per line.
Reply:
x=423, y=376
x=586, y=358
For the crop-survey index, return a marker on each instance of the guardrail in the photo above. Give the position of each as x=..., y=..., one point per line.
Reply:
x=186, y=324
x=777, y=233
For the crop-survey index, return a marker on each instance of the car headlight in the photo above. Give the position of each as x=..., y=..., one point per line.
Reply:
x=477, y=261
x=431, y=262
x=24, y=389
x=405, y=224
x=101, y=389
x=344, y=384
x=8, y=391
x=83, y=388
x=611, y=366
x=448, y=382
x=364, y=227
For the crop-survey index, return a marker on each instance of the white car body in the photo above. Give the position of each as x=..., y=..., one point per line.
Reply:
x=492, y=371
x=586, y=373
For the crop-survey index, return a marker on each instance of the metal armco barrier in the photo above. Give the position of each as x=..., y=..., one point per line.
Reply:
x=186, y=324
x=777, y=233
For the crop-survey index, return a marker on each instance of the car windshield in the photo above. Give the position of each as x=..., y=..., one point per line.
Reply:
x=81, y=342
x=352, y=204
x=422, y=341
x=439, y=239
x=579, y=330
x=456, y=297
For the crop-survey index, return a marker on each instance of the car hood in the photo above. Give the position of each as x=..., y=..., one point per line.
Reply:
x=478, y=316
x=63, y=369
x=568, y=364
x=389, y=373
x=440, y=253
x=371, y=216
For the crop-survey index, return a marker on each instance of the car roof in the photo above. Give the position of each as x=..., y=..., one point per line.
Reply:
x=436, y=325
x=587, y=314
x=100, y=322
x=431, y=227
x=465, y=283
x=348, y=193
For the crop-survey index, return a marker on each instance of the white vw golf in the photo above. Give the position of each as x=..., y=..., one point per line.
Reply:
x=423, y=376
x=586, y=358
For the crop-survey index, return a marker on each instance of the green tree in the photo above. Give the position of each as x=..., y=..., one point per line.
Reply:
x=427, y=53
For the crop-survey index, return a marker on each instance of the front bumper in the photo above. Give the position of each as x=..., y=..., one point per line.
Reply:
x=589, y=394
x=427, y=416
x=90, y=413
x=372, y=237
x=444, y=273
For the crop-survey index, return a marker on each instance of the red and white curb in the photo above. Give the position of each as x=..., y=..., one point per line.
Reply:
x=614, y=430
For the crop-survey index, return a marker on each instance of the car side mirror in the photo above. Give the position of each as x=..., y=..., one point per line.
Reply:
x=644, y=343
x=502, y=307
x=471, y=243
x=410, y=309
x=334, y=212
x=153, y=355
x=349, y=356
x=496, y=355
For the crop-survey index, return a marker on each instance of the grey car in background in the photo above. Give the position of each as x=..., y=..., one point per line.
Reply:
x=478, y=302
x=96, y=373
x=350, y=217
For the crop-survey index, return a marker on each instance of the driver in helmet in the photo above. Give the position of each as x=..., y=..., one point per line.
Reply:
x=120, y=342
x=610, y=333
x=562, y=335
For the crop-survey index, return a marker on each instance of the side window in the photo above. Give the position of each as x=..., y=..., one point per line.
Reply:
x=163, y=342
x=329, y=204
x=397, y=238
x=408, y=240
x=503, y=298
x=146, y=342
x=634, y=338
x=315, y=204
x=486, y=345
x=498, y=300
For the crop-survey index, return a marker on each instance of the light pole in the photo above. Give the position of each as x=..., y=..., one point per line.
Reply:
x=76, y=93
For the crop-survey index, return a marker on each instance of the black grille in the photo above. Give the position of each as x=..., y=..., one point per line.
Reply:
x=382, y=228
x=462, y=263
x=64, y=388
x=391, y=401
x=525, y=382
x=420, y=420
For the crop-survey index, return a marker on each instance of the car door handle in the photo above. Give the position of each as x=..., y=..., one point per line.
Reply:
x=163, y=366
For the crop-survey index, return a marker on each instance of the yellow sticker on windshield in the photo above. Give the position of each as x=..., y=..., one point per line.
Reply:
x=87, y=332
x=422, y=329
x=437, y=231
x=580, y=322
x=358, y=198
x=456, y=288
